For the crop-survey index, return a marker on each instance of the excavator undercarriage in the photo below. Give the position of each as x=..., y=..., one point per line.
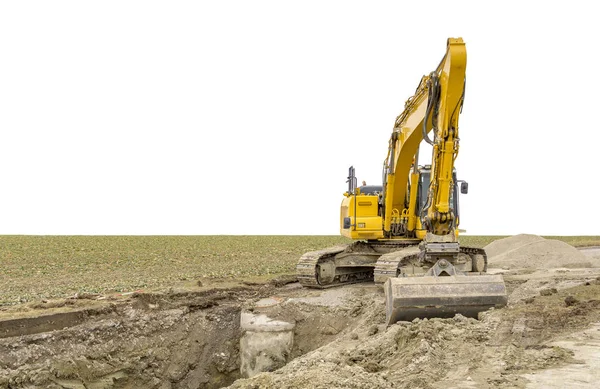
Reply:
x=438, y=281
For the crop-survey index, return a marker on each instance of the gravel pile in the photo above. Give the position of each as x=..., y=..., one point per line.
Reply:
x=534, y=252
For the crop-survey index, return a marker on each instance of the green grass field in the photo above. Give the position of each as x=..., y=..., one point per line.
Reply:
x=33, y=268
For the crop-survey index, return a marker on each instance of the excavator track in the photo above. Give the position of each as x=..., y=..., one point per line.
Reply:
x=388, y=265
x=313, y=265
x=341, y=265
x=306, y=268
x=478, y=254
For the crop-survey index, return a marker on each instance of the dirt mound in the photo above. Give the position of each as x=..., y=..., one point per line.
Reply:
x=501, y=246
x=407, y=355
x=595, y=261
x=433, y=353
x=534, y=252
x=413, y=355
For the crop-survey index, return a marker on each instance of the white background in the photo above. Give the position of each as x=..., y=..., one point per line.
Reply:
x=242, y=117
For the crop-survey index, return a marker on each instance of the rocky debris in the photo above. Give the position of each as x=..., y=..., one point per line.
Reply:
x=570, y=300
x=548, y=291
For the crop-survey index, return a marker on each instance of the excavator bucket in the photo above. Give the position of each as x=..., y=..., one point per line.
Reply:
x=407, y=298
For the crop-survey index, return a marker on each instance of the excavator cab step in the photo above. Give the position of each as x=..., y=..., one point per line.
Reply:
x=407, y=298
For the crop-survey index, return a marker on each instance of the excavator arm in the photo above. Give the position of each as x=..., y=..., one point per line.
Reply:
x=435, y=106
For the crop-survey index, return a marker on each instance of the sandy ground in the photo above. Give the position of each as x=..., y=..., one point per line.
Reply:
x=548, y=336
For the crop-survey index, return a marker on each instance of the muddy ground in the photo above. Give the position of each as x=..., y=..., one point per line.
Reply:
x=548, y=336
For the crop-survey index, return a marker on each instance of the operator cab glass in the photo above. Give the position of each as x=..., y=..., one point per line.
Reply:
x=371, y=189
x=425, y=180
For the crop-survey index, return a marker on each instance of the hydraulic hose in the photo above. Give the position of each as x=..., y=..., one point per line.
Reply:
x=432, y=103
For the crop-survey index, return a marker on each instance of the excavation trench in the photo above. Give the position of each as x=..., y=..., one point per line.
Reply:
x=214, y=335
x=170, y=340
x=196, y=339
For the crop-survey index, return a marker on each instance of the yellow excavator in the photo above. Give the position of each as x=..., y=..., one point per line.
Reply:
x=405, y=231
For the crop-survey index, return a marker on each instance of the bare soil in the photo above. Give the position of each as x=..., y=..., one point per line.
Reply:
x=189, y=338
x=534, y=252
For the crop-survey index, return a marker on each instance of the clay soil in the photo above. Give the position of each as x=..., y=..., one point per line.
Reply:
x=189, y=337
